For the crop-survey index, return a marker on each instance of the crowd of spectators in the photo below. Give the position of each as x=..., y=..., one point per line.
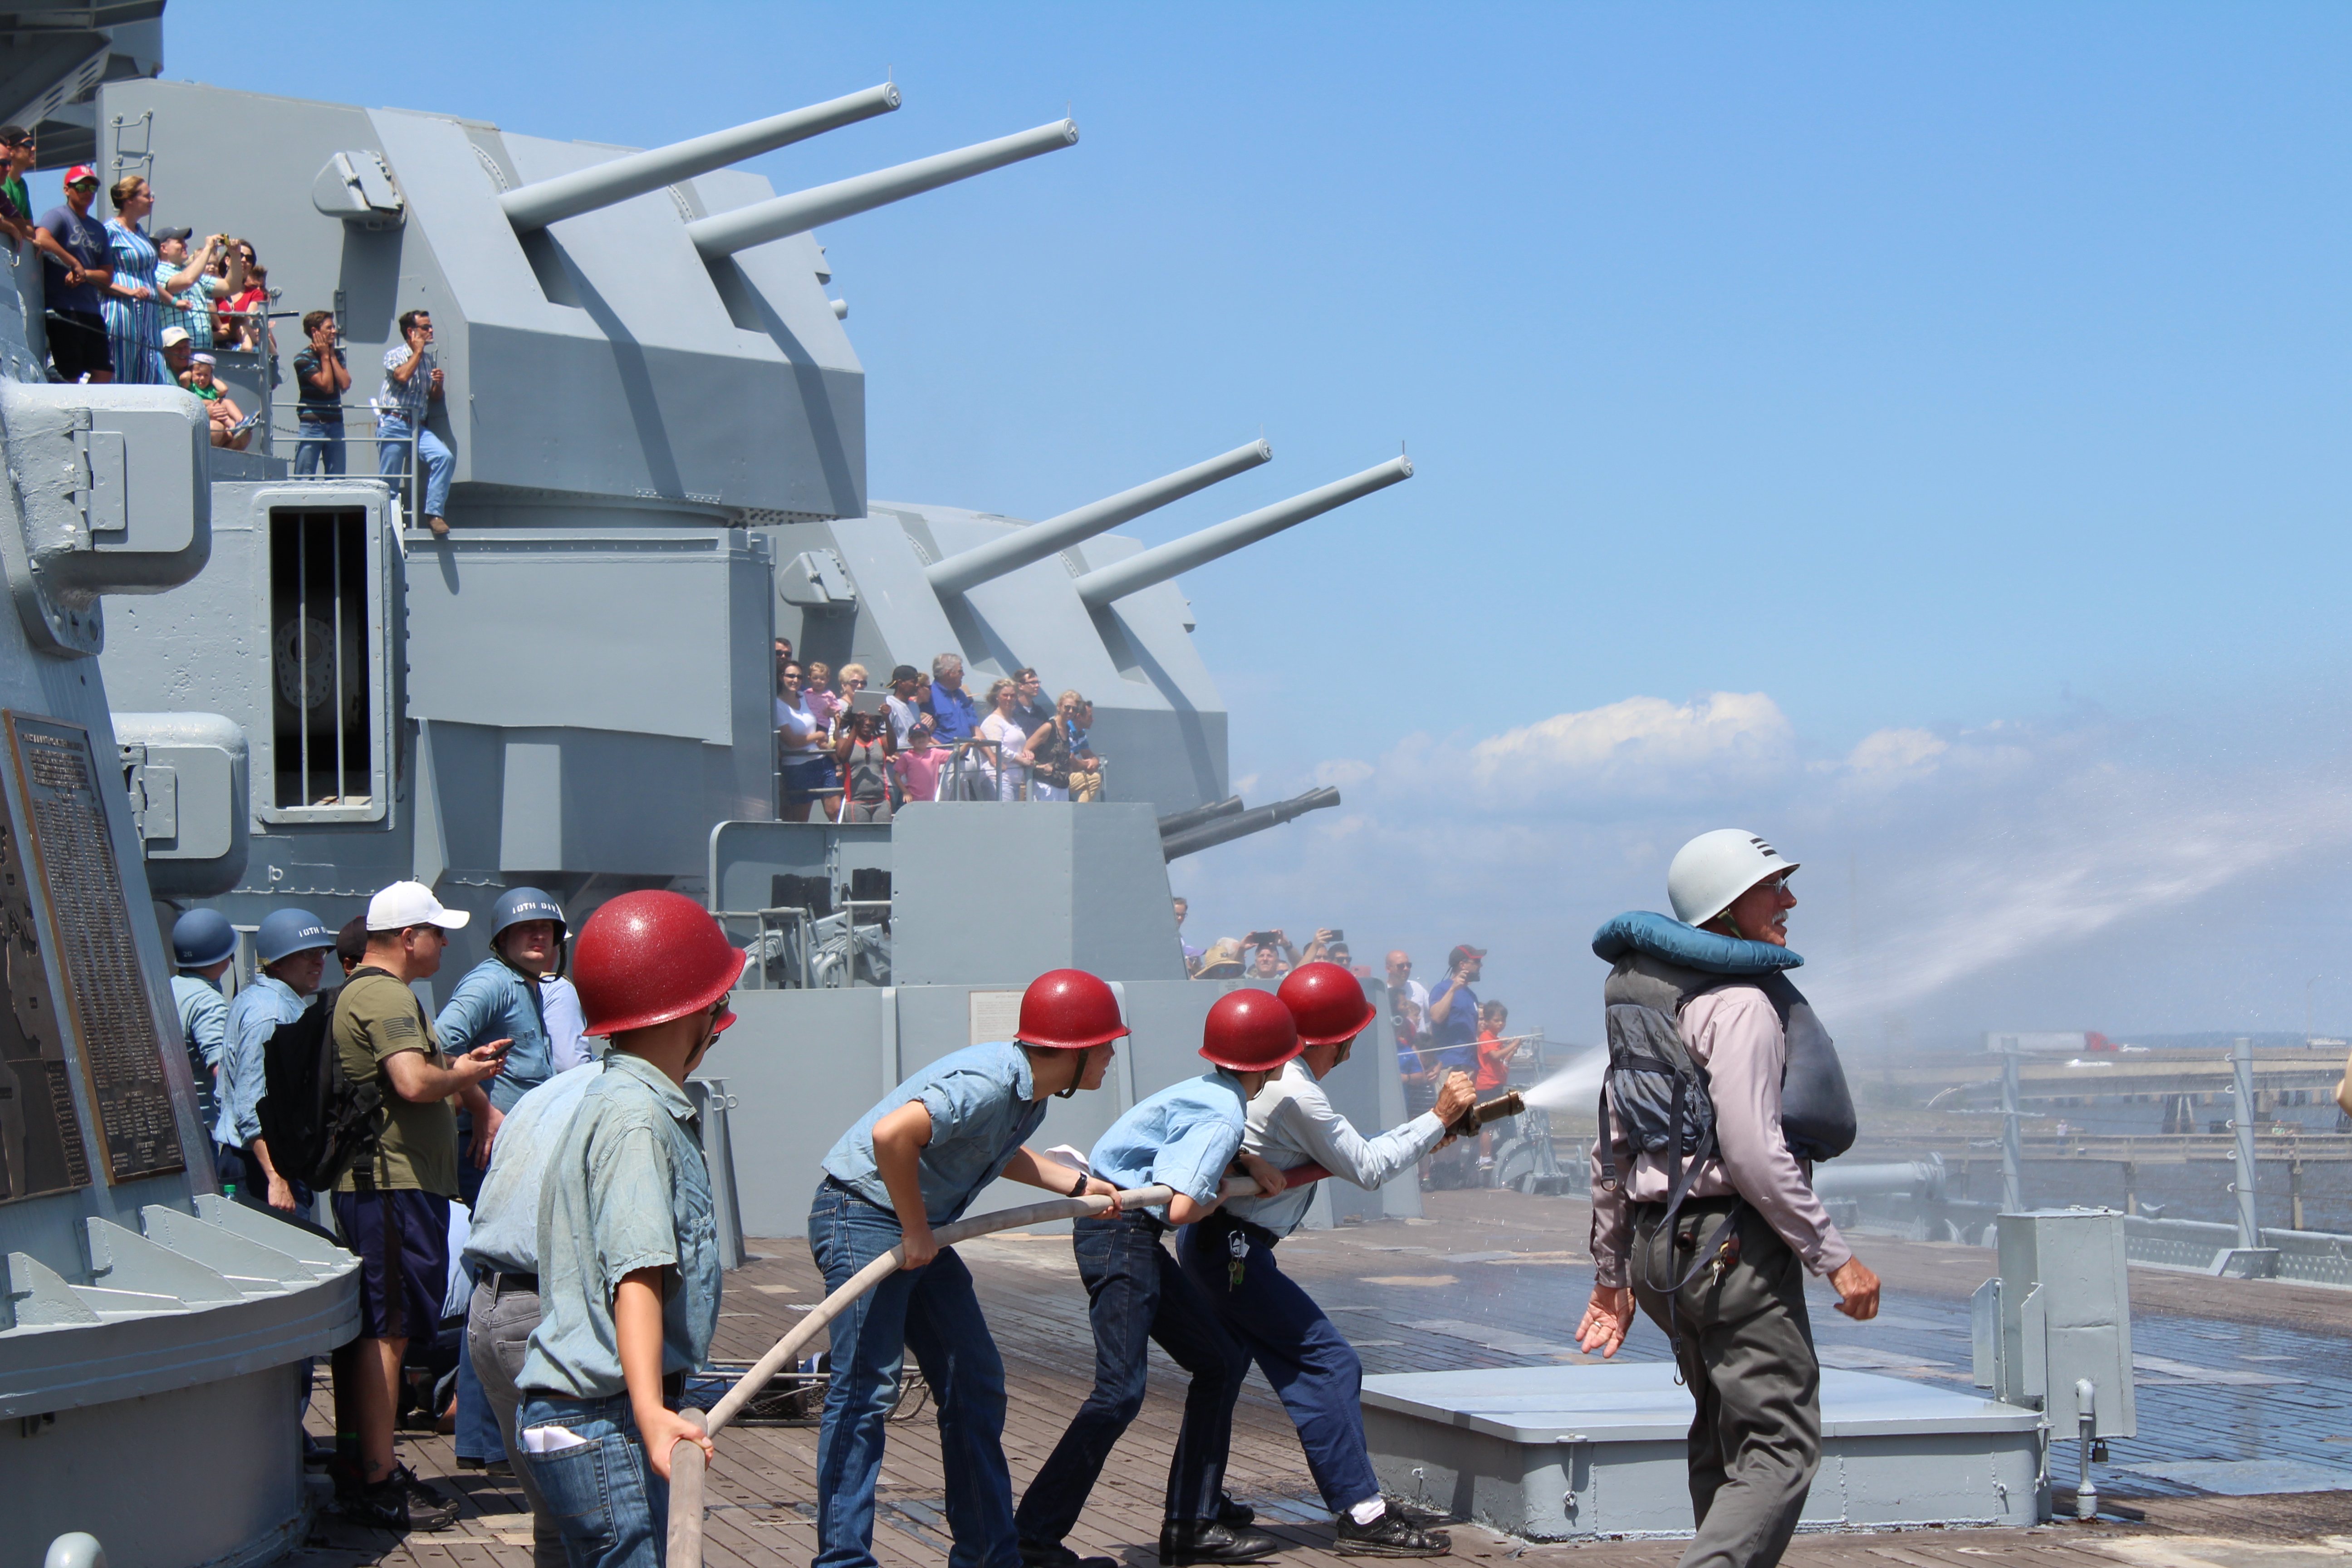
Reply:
x=847, y=752
x=129, y=306
x=1437, y=1033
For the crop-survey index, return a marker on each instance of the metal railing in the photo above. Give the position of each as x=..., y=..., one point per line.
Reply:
x=793, y=944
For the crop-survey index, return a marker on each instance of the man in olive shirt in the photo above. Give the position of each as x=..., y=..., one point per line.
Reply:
x=393, y=1206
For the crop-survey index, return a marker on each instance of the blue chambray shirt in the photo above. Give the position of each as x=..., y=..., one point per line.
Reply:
x=204, y=1019
x=253, y=1017
x=505, y=1234
x=1184, y=1136
x=494, y=1002
x=982, y=1111
x=626, y=1189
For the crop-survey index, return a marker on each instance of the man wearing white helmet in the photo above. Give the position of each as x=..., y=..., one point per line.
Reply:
x=1719, y=1063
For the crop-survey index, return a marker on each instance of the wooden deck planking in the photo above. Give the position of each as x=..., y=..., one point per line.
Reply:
x=761, y=1488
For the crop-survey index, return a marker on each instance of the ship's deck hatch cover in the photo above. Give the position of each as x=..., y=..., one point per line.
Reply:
x=326, y=702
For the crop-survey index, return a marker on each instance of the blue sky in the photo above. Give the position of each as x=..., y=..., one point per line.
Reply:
x=1961, y=389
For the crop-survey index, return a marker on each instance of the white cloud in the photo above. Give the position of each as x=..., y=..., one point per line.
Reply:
x=1640, y=743
x=1957, y=880
x=1890, y=753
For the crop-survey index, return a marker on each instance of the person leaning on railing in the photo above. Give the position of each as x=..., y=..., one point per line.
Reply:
x=79, y=265
x=17, y=153
x=1002, y=732
x=411, y=383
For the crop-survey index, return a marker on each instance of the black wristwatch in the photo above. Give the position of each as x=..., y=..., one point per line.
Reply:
x=1080, y=1190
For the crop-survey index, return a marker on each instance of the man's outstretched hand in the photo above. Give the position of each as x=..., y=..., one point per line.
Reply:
x=1607, y=1319
x=1857, y=1289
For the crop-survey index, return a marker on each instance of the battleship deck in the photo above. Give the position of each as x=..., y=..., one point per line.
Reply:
x=2245, y=1391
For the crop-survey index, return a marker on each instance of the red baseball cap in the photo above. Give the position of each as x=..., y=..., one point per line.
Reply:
x=1453, y=960
x=80, y=172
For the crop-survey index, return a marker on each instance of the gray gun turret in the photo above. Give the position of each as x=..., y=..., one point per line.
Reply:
x=1177, y=822
x=1240, y=825
x=744, y=228
x=1104, y=584
x=544, y=202
x=968, y=568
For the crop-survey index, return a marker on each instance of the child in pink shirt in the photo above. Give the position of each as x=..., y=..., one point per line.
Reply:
x=918, y=763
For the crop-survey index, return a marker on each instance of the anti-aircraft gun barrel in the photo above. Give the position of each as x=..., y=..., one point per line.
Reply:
x=723, y=234
x=1240, y=825
x=1177, y=822
x=1161, y=562
x=972, y=567
x=584, y=190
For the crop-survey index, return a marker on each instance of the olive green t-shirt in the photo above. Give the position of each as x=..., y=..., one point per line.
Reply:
x=376, y=1018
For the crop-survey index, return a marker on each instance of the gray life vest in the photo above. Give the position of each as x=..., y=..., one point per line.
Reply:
x=1661, y=1093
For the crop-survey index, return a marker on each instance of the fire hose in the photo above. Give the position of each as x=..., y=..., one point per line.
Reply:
x=686, y=1465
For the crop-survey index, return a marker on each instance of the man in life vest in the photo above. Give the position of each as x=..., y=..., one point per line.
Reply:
x=1718, y=1061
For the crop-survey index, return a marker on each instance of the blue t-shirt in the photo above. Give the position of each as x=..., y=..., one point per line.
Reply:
x=1456, y=1041
x=981, y=1109
x=955, y=717
x=1184, y=1137
x=86, y=239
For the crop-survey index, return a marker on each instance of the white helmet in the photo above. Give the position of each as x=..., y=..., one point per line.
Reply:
x=1714, y=868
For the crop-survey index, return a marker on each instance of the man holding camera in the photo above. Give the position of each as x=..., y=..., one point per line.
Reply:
x=412, y=384
x=190, y=286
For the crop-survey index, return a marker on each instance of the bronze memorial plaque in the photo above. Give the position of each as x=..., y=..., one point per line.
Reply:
x=41, y=1148
x=89, y=929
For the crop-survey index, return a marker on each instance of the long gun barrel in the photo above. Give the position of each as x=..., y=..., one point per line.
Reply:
x=1177, y=822
x=723, y=234
x=1240, y=825
x=567, y=195
x=972, y=567
x=1161, y=562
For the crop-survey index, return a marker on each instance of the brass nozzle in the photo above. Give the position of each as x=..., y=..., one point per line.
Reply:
x=1509, y=1103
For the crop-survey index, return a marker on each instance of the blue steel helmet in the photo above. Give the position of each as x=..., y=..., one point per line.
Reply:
x=516, y=905
x=287, y=931
x=202, y=938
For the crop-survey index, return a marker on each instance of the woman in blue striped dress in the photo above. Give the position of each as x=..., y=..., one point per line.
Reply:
x=134, y=321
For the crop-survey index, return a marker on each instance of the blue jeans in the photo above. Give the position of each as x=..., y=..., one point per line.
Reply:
x=321, y=441
x=1137, y=1295
x=612, y=1509
x=933, y=1311
x=392, y=461
x=1310, y=1363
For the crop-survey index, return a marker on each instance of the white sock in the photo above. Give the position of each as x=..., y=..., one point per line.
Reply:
x=1368, y=1510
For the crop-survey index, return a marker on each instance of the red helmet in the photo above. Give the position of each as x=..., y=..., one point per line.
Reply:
x=1069, y=1010
x=1250, y=1031
x=1327, y=1001
x=649, y=957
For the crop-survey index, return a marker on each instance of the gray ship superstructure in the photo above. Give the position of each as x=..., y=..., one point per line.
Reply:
x=658, y=424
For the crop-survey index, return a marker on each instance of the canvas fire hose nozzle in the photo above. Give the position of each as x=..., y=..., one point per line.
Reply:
x=1509, y=1103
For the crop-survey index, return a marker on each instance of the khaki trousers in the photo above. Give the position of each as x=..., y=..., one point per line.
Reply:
x=1745, y=1346
x=498, y=1332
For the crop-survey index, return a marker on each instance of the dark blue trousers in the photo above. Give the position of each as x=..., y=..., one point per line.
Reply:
x=1137, y=1295
x=1310, y=1363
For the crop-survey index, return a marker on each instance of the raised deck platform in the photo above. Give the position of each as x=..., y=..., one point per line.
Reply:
x=1559, y=1453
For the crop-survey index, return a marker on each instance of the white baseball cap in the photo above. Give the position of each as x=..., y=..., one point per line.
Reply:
x=405, y=904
